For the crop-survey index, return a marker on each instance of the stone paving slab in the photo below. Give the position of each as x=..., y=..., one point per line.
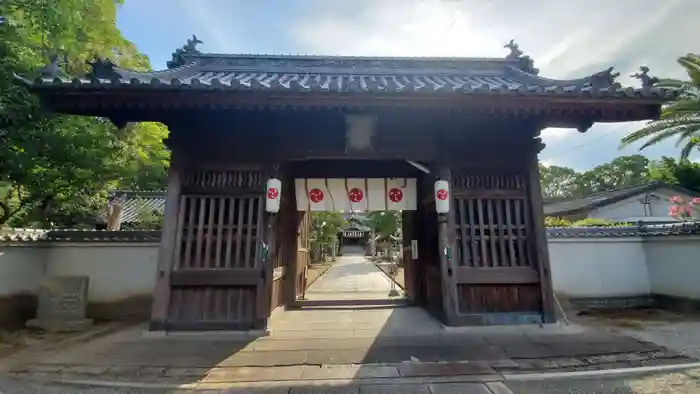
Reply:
x=358, y=373
x=517, y=352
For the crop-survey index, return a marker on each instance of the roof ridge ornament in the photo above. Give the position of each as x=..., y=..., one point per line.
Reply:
x=103, y=68
x=603, y=79
x=526, y=63
x=645, y=78
x=53, y=68
x=515, y=51
x=190, y=48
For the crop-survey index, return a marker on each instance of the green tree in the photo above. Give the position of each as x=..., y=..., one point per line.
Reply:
x=385, y=223
x=58, y=169
x=557, y=182
x=683, y=173
x=145, y=158
x=680, y=118
x=325, y=226
x=620, y=172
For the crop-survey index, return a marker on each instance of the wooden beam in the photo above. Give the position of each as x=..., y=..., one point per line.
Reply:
x=500, y=276
x=492, y=194
x=215, y=277
x=539, y=238
x=166, y=252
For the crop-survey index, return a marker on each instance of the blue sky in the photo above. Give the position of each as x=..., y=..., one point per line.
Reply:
x=566, y=38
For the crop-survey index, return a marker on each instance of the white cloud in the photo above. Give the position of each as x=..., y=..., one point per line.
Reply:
x=567, y=39
x=385, y=28
x=554, y=133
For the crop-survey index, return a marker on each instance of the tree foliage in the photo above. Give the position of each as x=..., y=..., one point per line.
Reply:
x=385, y=223
x=325, y=226
x=558, y=182
x=563, y=183
x=621, y=171
x=57, y=170
x=680, y=118
x=684, y=173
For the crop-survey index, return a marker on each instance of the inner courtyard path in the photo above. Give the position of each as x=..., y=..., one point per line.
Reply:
x=361, y=287
x=352, y=277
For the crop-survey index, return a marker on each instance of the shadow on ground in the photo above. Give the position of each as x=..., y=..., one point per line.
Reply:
x=358, y=345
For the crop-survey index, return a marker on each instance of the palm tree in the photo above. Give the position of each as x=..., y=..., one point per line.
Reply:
x=681, y=117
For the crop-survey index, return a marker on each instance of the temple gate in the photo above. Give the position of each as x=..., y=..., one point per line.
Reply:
x=465, y=130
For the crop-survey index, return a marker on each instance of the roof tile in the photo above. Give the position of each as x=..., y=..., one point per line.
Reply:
x=354, y=74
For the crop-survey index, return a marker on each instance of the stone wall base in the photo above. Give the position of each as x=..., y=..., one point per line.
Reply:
x=60, y=325
x=610, y=303
x=134, y=308
x=17, y=309
x=676, y=304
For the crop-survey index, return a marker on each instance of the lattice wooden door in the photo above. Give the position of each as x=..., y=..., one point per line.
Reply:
x=496, y=276
x=219, y=271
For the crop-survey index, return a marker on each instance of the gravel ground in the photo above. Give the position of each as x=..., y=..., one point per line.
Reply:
x=683, y=337
x=686, y=382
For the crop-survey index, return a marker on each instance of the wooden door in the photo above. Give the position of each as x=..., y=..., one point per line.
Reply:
x=218, y=277
x=408, y=231
x=303, y=256
x=430, y=279
x=496, y=275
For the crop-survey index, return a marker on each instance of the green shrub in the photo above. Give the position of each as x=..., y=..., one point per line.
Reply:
x=588, y=222
x=593, y=222
x=556, y=222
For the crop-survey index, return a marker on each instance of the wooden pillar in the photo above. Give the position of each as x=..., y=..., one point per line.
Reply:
x=446, y=236
x=540, y=234
x=264, y=288
x=289, y=224
x=166, y=251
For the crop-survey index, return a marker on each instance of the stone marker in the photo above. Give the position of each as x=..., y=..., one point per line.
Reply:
x=62, y=303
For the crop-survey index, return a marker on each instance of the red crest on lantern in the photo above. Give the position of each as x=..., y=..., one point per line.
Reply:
x=395, y=195
x=316, y=195
x=355, y=194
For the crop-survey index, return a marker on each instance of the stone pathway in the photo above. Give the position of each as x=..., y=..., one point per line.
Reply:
x=354, y=323
x=368, y=358
x=352, y=277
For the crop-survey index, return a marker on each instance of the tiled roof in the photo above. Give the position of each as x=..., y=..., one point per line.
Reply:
x=24, y=236
x=14, y=235
x=277, y=73
x=136, y=202
x=554, y=208
x=646, y=230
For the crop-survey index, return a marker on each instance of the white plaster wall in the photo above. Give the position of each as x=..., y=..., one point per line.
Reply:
x=116, y=271
x=598, y=267
x=21, y=269
x=580, y=267
x=674, y=265
x=633, y=209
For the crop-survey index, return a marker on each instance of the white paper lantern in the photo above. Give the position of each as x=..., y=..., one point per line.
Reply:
x=442, y=197
x=272, y=195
